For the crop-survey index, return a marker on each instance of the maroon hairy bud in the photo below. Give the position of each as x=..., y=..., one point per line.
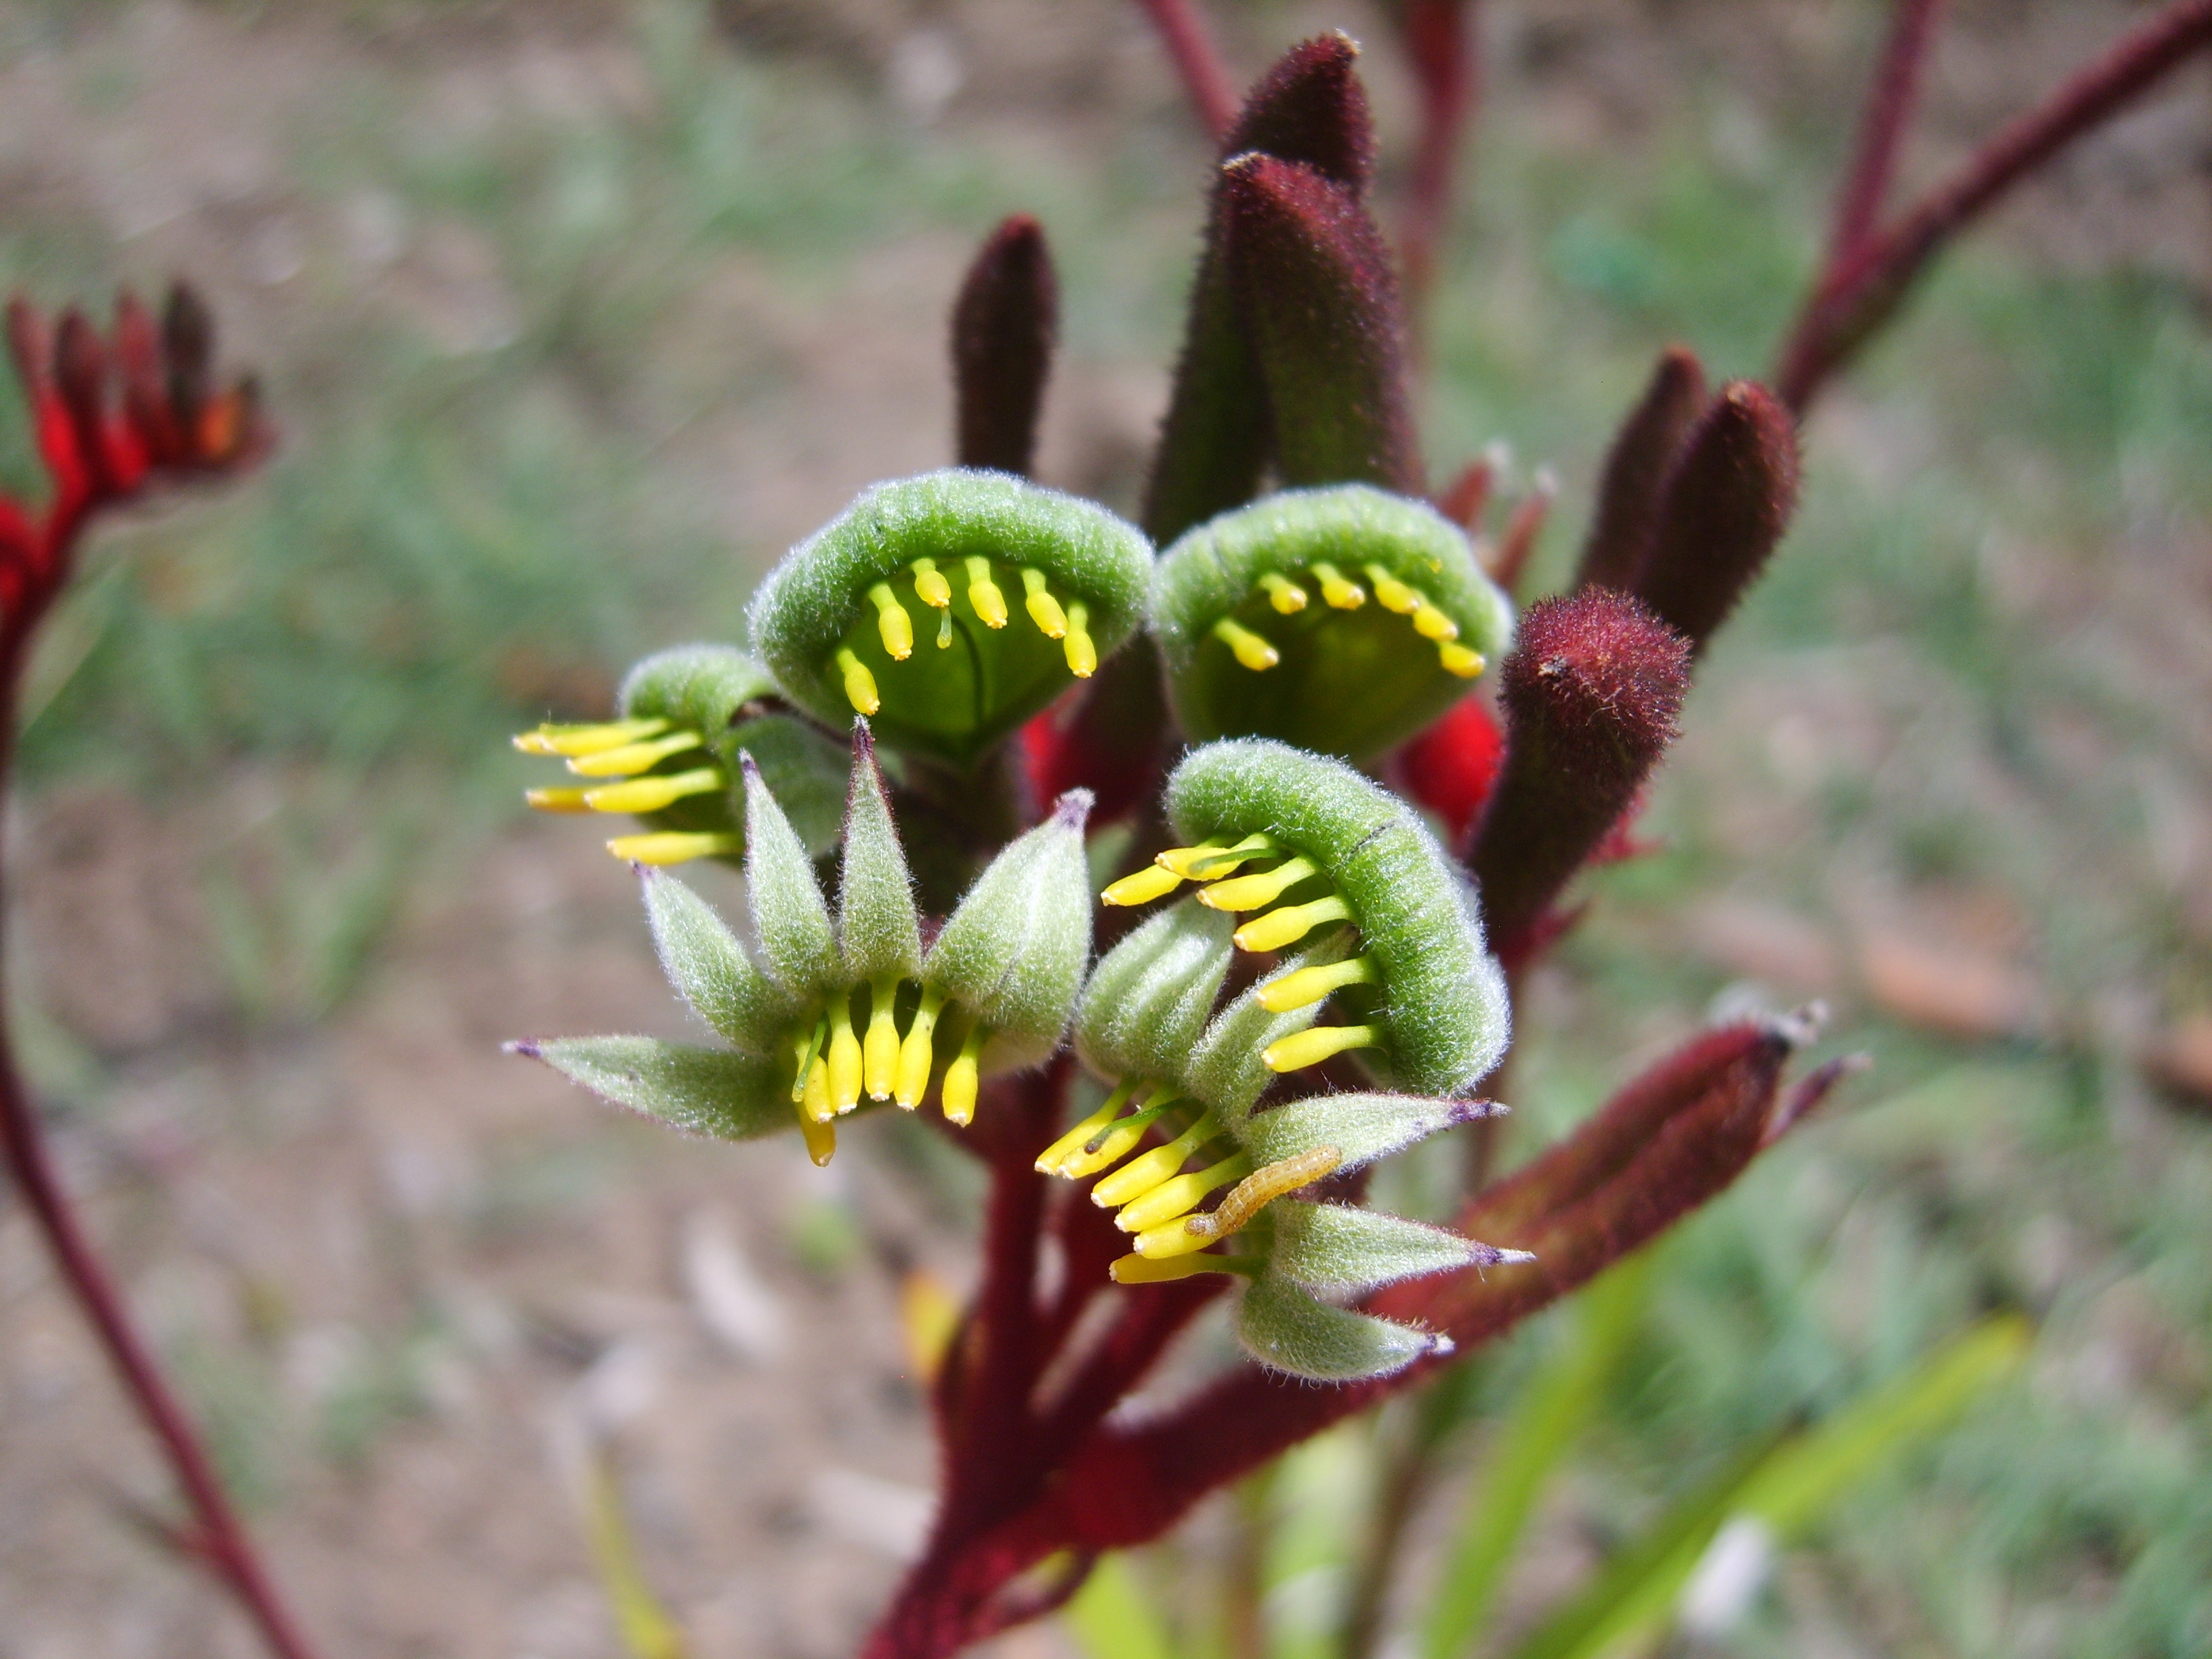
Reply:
x=1591, y=693
x=1726, y=504
x=1644, y=451
x=1004, y=325
x=1215, y=442
x=1314, y=284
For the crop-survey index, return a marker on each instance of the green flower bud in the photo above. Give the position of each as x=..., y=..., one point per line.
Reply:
x=1281, y=1326
x=790, y=920
x=702, y=1091
x=1343, y=620
x=1149, y=998
x=670, y=758
x=1306, y=849
x=710, y=969
x=950, y=608
x=1337, y=1250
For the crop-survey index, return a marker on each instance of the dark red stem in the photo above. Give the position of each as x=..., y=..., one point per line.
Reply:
x=1890, y=96
x=1440, y=41
x=1205, y=77
x=1856, y=298
x=221, y=1539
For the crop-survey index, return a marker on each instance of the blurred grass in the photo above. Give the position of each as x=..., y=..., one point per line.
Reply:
x=464, y=532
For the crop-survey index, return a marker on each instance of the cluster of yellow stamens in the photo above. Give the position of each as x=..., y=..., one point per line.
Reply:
x=1339, y=592
x=834, y=1065
x=1068, y=624
x=1155, y=1198
x=623, y=752
x=1212, y=863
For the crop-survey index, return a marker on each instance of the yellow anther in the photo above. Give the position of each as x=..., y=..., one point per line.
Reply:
x=1172, y=1199
x=1251, y=893
x=917, y=1054
x=930, y=586
x=557, y=800
x=983, y=593
x=1141, y=887
x=1336, y=590
x=1289, y=924
x=1248, y=648
x=1109, y=1146
x=817, y=1101
x=844, y=1056
x=1082, y=650
x=633, y=757
x=1462, y=660
x=807, y=1045
x=958, y=1095
x=1050, y=1160
x=1044, y=609
x=1152, y=1270
x=1432, y=623
x=676, y=846
x=1143, y=1173
x=1210, y=860
x=551, y=739
x=859, y=684
x=879, y=1051
x=1262, y=1188
x=651, y=794
x=1393, y=595
x=1179, y=859
x=893, y=623
x=1316, y=1043
x=821, y=1137
x=1305, y=986
x=1286, y=595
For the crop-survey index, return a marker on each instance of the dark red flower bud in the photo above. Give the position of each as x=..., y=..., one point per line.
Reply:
x=1311, y=107
x=1451, y=768
x=1644, y=452
x=1591, y=693
x=188, y=348
x=1313, y=285
x=1726, y=504
x=1004, y=325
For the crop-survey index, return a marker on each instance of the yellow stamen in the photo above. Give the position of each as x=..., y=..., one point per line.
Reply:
x=1114, y=1142
x=1210, y=860
x=821, y=1137
x=917, y=1055
x=1304, y=985
x=1262, y=1188
x=557, y=800
x=1082, y=650
x=1049, y=1159
x=879, y=1053
x=676, y=846
x=1286, y=595
x=1248, y=648
x=632, y=757
x=1044, y=609
x=1289, y=924
x=1141, y=887
x=651, y=794
x=1143, y=1173
x=807, y=1044
x=817, y=1103
x=551, y=739
x=1432, y=623
x=1336, y=590
x=983, y=593
x=1462, y=660
x=1393, y=595
x=1150, y=1269
x=844, y=1056
x=1172, y=1199
x=859, y=684
x=892, y=622
x=1181, y=858
x=930, y=586
x=958, y=1095
x=1316, y=1043
x=1251, y=893
x=945, y=629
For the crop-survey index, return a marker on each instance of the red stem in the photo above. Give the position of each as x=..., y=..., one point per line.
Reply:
x=1854, y=300
x=1441, y=39
x=1197, y=61
x=1890, y=98
x=221, y=1540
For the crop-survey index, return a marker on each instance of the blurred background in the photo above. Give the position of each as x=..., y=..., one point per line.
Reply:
x=574, y=315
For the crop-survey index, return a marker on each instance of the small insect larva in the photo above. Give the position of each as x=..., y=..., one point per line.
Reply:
x=1261, y=1188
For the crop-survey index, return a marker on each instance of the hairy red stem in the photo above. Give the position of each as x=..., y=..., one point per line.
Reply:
x=1855, y=300
x=1890, y=96
x=1205, y=77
